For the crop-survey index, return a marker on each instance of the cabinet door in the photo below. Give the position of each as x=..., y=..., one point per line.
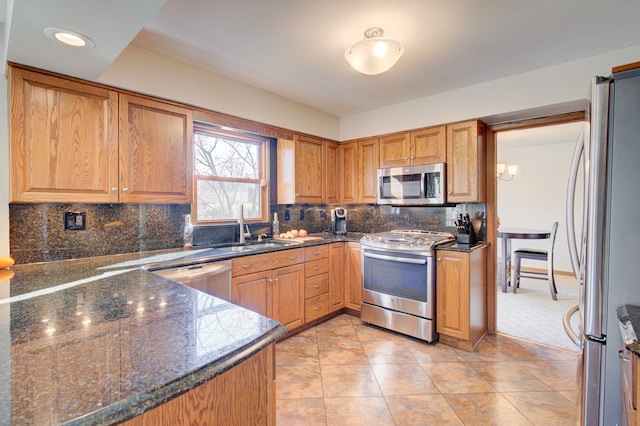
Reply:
x=331, y=172
x=348, y=176
x=429, y=146
x=336, y=276
x=452, y=294
x=253, y=292
x=156, y=145
x=309, y=170
x=288, y=296
x=368, y=163
x=64, y=140
x=465, y=162
x=395, y=150
x=353, y=279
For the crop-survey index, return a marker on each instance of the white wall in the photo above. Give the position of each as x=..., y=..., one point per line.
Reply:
x=548, y=86
x=535, y=198
x=143, y=71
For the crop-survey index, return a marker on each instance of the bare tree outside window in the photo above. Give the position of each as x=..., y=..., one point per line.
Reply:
x=229, y=171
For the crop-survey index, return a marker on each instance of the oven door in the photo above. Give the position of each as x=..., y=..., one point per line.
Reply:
x=401, y=281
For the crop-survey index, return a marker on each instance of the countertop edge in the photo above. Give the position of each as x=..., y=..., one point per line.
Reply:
x=138, y=404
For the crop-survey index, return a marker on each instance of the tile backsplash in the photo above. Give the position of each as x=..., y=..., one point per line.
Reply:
x=37, y=233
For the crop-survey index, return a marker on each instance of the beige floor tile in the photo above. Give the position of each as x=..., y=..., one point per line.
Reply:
x=338, y=321
x=522, y=350
x=422, y=410
x=298, y=381
x=544, y=408
x=438, y=352
x=487, y=350
x=358, y=412
x=486, y=409
x=509, y=377
x=296, y=353
x=349, y=381
x=342, y=351
x=558, y=375
x=347, y=331
x=388, y=352
x=452, y=378
x=305, y=336
x=403, y=379
x=300, y=412
x=369, y=333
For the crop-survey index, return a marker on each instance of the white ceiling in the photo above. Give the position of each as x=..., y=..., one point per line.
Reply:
x=295, y=48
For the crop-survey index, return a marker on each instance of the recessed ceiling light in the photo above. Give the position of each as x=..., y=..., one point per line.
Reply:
x=69, y=37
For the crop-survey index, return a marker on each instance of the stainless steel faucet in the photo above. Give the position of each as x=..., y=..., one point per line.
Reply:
x=243, y=234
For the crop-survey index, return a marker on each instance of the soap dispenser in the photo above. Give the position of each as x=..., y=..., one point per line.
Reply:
x=187, y=236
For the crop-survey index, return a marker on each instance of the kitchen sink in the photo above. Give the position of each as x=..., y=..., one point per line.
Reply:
x=239, y=248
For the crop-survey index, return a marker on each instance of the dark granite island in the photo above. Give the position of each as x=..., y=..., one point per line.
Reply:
x=129, y=346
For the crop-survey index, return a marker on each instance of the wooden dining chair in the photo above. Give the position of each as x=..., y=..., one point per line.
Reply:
x=537, y=254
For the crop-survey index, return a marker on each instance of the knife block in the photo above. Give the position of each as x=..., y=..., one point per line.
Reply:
x=468, y=239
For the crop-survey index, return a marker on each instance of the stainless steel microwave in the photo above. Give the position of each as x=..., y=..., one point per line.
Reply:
x=413, y=185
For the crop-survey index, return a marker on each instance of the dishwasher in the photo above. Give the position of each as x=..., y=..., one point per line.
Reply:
x=211, y=278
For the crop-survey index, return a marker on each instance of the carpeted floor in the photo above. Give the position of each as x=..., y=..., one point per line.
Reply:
x=531, y=314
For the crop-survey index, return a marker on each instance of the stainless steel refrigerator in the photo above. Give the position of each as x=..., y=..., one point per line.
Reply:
x=606, y=258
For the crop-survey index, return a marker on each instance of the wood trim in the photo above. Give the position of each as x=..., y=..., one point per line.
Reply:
x=491, y=230
x=550, y=120
x=626, y=67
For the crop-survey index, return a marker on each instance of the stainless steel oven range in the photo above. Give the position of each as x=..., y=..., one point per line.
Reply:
x=398, y=272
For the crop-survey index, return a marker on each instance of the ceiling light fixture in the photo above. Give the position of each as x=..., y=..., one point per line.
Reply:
x=374, y=54
x=69, y=37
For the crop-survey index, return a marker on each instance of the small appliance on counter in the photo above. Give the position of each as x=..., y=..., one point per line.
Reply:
x=339, y=221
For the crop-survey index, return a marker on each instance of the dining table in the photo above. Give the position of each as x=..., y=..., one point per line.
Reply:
x=506, y=235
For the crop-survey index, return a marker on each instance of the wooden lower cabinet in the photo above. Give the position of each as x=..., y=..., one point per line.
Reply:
x=461, y=315
x=337, y=263
x=277, y=294
x=353, y=277
x=244, y=395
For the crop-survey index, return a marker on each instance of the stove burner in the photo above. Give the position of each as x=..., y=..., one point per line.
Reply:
x=407, y=239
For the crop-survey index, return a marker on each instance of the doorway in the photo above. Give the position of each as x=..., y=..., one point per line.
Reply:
x=531, y=194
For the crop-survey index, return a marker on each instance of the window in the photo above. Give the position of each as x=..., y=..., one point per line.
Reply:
x=230, y=170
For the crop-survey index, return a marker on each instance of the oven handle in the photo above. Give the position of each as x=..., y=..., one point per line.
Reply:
x=395, y=258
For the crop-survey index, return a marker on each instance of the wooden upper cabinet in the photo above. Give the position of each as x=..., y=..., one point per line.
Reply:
x=425, y=146
x=331, y=173
x=368, y=163
x=429, y=146
x=307, y=171
x=64, y=140
x=156, y=140
x=466, y=162
x=395, y=150
x=348, y=172
x=80, y=142
x=310, y=166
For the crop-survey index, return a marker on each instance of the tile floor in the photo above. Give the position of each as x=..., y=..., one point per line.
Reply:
x=345, y=372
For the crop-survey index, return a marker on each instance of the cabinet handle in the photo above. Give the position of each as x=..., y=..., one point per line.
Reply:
x=412, y=157
x=270, y=281
x=277, y=280
x=317, y=252
x=125, y=189
x=297, y=194
x=439, y=259
x=316, y=286
x=317, y=268
x=114, y=189
x=293, y=257
x=317, y=308
x=406, y=158
x=248, y=265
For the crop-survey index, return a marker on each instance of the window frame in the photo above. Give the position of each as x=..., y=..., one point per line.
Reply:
x=263, y=171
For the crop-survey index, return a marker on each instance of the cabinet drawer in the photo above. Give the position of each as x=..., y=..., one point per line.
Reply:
x=266, y=261
x=316, y=307
x=316, y=285
x=316, y=252
x=316, y=267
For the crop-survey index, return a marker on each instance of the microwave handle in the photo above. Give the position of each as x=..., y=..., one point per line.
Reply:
x=423, y=185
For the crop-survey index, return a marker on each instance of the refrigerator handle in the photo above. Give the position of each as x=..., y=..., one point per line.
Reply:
x=570, y=210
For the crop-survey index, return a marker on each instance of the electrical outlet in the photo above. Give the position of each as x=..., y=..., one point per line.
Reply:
x=287, y=214
x=75, y=221
x=301, y=214
x=323, y=213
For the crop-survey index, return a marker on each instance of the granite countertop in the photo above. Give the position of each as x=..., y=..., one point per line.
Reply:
x=466, y=248
x=629, y=317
